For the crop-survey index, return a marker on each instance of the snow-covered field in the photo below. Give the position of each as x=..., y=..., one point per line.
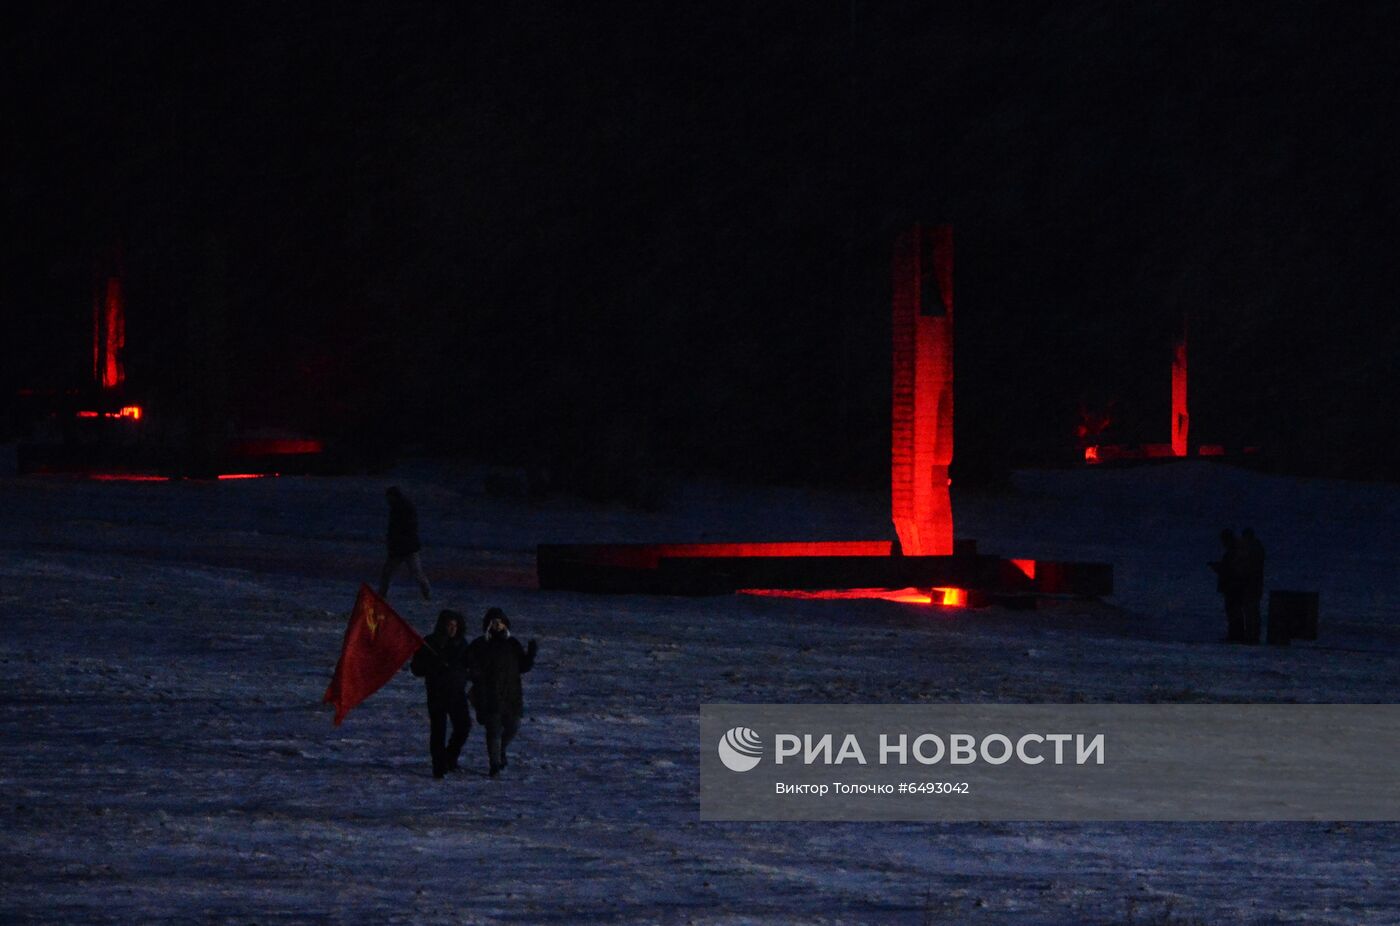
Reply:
x=165, y=757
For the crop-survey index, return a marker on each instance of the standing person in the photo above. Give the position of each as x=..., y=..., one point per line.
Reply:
x=1252, y=575
x=1229, y=582
x=442, y=664
x=497, y=660
x=402, y=540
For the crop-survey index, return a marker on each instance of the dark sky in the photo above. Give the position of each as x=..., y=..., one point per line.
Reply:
x=662, y=231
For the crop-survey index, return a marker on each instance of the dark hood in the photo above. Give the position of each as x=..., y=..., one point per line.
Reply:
x=444, y=617
x=492, y=615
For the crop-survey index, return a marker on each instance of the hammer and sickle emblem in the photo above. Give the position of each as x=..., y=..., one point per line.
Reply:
x=373, y=620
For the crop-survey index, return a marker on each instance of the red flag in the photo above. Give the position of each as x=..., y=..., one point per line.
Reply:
x=377, y=644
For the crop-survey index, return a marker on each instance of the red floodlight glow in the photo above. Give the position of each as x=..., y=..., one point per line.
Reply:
x=127, y=477
x=109, y=335
x=245, y=475
x=275, y=446
x=1181, y=418
x=1091, y=454
x=946, y=597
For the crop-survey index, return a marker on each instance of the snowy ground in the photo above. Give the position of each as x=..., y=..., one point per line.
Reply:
x=164, y=756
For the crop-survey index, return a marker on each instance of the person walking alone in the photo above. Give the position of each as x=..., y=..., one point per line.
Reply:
x=403, y=543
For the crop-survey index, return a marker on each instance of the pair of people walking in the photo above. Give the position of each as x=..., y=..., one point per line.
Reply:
x=1240, y=581
x=492, y=664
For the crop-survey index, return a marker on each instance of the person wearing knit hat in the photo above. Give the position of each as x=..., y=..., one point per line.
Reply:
x=496, y=661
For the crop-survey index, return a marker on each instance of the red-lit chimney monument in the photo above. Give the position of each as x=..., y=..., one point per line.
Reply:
x=921, y=421
x=925, y=566
x=1181, y=420
x=108, y=333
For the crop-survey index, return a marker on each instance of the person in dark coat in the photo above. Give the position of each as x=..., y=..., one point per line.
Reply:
x=1252, y=582
x=442, y=664
x=1230, y=583
x=497, y=660
x=403, y=543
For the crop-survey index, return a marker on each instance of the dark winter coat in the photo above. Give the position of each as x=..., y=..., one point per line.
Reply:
x=496, y=666
x=1252, y=567
x=1230, y=571
x=402, y=537
x=442, y=664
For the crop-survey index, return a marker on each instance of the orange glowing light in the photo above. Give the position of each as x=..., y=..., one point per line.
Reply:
x=908, y=597
x=1091, y=454
x=952, y=597
x=132, y=412
x=947, y=597
x=244, y=475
